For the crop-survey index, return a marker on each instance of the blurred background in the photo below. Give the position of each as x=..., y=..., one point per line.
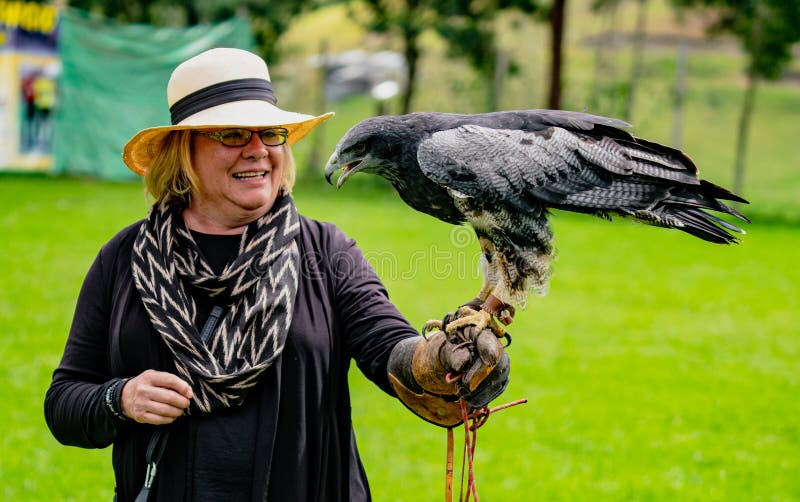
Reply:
x=657, y=367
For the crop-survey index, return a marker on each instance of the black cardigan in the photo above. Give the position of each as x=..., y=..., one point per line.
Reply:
x=305, y=447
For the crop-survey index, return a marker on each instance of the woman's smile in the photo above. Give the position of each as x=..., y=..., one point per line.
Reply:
x=237, y=184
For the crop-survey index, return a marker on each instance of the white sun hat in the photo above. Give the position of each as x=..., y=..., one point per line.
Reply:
x=216, y=89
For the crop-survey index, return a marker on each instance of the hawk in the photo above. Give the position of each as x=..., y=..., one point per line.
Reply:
x=503, y=172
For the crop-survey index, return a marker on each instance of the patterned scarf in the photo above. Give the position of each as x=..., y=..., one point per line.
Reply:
x=256, y=290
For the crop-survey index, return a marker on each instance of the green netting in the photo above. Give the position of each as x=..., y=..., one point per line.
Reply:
x=113, y=84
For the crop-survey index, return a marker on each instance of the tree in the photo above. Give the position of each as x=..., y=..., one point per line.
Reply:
x=605, y=89
x=637, y=60
x=269, y=20
x=767, y=29
x=469, y=28
x=409, y=18
x=630, y=88
x=557, y=18
x=466, y=25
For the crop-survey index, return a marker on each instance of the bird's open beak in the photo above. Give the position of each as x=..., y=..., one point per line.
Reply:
x=348, y=169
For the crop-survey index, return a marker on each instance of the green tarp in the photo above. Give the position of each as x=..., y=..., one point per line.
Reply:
x=113, y=83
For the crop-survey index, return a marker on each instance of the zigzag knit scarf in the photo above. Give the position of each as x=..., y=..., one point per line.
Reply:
x=256, y=290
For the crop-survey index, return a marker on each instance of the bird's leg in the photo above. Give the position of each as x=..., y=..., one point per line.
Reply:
x=482, y=315
x=467, y=315
x=487, y=306
x=468, y=308
x=485, y=310
x=486, y=315
x=483, y=294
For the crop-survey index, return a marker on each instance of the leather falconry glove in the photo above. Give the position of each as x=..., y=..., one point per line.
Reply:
x=430, y=374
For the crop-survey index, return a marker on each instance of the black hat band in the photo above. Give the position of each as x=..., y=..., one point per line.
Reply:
x=224, y=92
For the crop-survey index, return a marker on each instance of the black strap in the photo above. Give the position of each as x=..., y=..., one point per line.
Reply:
x=155, y=449
x=158, y=441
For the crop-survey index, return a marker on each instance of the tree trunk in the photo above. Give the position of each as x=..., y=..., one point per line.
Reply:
x=637, y=60
x=744, y=128
x=192, y=15
x=412, y=57
x=556, y=52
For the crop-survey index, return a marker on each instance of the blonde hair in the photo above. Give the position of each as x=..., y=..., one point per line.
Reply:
x=171, y=177
x=289, y=170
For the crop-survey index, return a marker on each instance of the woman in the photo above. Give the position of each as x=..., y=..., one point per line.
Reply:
x=228, y=320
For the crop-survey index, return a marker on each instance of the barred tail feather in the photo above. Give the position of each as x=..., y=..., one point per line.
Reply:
x=687, y=206
x=717, y=192
x=705, y=226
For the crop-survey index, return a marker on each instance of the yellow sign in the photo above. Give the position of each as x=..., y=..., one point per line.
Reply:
x=29, y=16
x=29, y=69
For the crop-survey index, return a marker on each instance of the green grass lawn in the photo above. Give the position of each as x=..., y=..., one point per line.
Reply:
x=658, y=367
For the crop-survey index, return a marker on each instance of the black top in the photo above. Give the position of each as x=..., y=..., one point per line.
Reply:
x=295, y=425
x=217, y=249
x=223, y=455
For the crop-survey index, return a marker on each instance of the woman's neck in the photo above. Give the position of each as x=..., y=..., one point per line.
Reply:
x=208, y=224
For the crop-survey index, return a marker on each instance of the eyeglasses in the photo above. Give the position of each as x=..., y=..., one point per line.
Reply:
x=275, y=136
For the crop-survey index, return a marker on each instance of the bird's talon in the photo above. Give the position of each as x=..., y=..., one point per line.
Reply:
x=433, y=325
x=447, y=319
x=469, y=317
x=467, y=309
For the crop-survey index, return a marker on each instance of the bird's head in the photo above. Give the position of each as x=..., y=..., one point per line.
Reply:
x=371, y=146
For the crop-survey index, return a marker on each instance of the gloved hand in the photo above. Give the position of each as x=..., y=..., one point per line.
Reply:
x=430, y=374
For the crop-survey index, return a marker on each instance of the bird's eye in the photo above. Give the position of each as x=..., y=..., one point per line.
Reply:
x=360, y=148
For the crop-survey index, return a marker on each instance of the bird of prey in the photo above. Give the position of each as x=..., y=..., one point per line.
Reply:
x=502, y=172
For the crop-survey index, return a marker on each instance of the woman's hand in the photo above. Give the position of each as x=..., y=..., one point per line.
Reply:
x=155, y=397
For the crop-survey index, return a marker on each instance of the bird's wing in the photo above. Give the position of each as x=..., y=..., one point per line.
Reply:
x=550, y=167
x=576, y=170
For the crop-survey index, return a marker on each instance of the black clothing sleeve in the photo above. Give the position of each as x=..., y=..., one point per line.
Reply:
x=75, y=407
x=374, y=325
